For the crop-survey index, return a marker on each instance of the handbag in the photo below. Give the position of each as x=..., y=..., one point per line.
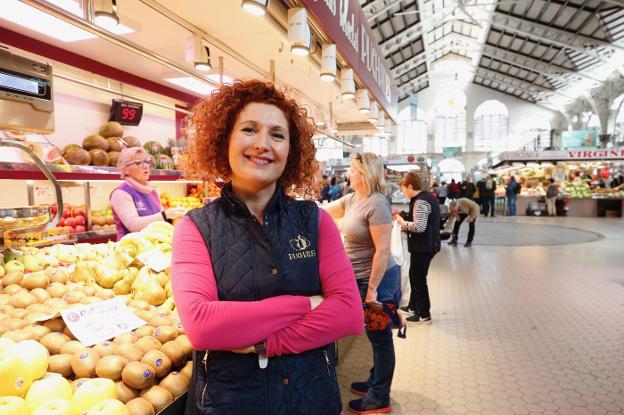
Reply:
x=396, y=243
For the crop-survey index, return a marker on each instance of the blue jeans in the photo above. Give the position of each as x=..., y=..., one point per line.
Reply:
x=380, y=378
x=511, y=202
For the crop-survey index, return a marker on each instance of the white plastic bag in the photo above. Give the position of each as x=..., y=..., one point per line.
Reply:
x=396, y=243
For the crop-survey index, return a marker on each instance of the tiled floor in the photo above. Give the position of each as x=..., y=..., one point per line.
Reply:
x=516, y=329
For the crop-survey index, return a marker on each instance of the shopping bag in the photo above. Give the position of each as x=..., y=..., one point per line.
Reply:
x=396, y=243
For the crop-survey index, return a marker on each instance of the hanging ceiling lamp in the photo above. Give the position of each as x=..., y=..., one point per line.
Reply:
x=373, y=112
x=347, y=84
x=105, y=13
x=255, y=7
x=197, y=54
x=328, y=63
x=362, y=100
x=381, y=121
x=298, y=31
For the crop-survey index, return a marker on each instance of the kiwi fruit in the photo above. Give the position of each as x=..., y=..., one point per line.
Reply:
x=175, y=352
x=56, y=303
x=54, y=341
x=124, y=392
x=138, y=375
x=4, y=298
x=15, y=323
x=148, y=343
x=188, y=369
x=56, y=290
x=18, y=335
x=179, y=328
x=12, y=277
x=37, y=330
x=129, y=351
x=165, y=333
x=60, y=363
x=72, y=347
x=144, y=331
x=105, y=348
x=158, y=396
x=55, y=325
x=35, y=280
x=159, y=361
x=111, y=366
x=36, y=317
x=185, y=343
x=22, y=299
x=140, y=406
x=176, y=383
x=78, y=383
x=129, y=337
x=83, y=363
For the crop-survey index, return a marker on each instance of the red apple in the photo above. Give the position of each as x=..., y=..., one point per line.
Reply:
x=54, y=208
x=80, y=219
x=78, y=211
x=80, y=229
x=70, y=221
x=66, y=212
x=71, y=229
x=61, y=222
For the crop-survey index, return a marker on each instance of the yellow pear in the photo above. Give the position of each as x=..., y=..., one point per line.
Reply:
x=153, y=293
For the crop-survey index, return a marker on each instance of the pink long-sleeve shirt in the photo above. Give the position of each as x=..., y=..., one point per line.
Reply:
x=287, y=323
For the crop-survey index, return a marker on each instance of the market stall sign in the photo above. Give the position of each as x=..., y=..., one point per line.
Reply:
x=451, y=152
x=97, y=322
x=610, y=154
x=347, y=26
x=126, y=112
x=579, y=138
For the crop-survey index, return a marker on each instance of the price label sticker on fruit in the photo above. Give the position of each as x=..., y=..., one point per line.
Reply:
x=97, y=322
x=155, y=259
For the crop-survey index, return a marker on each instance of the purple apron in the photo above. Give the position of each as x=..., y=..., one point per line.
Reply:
x=146, y=204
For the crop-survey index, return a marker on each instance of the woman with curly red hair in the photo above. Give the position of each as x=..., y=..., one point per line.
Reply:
x=258, y=277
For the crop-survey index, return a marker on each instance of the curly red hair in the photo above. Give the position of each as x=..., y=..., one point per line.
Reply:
x=212, y=121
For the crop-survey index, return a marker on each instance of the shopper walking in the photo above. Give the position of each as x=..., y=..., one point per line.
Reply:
x=512, y=189
x=461, y=209
x=134, y=203
x=552, y=191
x=489, y=205
x=326, y=190
x=366, y=226
x=453, y=190
x=335, y=189
x=422, y=224
x=482, y=194
x=258, y=277
x=442, y=193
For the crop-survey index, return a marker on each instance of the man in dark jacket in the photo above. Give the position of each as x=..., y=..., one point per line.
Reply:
x=468, y=189
x=481, y=200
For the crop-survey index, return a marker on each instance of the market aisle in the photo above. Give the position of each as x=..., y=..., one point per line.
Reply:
x=516, y=329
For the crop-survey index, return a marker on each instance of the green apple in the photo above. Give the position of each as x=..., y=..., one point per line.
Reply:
x=54, y=407
x=50, y=387
x=14, y=265
x=12, y=405
x=109, y=407
x=91, y=392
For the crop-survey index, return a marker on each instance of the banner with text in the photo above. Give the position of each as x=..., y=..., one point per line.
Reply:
x=347, y=26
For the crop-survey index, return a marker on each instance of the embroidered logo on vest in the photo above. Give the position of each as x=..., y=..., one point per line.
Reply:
x=300, y=244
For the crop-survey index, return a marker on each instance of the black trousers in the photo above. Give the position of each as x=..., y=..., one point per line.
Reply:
x=419, y=296
x=471, y=227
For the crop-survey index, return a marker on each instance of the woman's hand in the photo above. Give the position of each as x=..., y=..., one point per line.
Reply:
x=245, y=350
x=400, y=220
x=371, y=298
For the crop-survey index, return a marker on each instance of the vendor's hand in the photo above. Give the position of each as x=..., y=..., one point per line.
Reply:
x=470, y=220
x=175, y=212
x=316, y=300
x=245, y=350
x=400, y=220
x=371, y=298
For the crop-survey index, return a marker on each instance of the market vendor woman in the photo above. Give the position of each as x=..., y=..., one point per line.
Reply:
x=134, y=203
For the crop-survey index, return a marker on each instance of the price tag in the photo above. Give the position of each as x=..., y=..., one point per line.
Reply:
x=97, y=322
x=155, y=259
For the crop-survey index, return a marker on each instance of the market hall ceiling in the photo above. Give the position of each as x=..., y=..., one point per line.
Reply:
x=536, y=50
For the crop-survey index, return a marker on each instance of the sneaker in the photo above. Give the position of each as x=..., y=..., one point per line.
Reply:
x=418, y=319
x=453, y=242
x=406, y=309
x=468, y=244
x=359, y=388
x=361, y=406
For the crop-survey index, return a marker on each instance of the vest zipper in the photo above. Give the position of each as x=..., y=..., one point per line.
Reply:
x=327, y=362
x=205, y=362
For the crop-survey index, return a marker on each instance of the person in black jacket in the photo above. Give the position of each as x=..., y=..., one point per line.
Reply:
x=468, y=188
x=422, y=224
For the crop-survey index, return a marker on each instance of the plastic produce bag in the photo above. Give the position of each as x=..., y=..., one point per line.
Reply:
x=396, y=243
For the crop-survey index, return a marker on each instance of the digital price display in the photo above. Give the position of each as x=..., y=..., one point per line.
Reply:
x=126, y=112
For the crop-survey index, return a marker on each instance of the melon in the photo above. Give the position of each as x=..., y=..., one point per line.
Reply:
x=115, y=144
x=111, y=129
x=132, y=141
x=95, y=141
x=113, y=157
x=164, y=162
x=99, y=157
x=153, y=147
x=53, y=156
x=77, y=156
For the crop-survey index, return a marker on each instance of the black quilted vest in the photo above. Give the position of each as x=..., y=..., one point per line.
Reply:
x=252, y=262
x=427, y=242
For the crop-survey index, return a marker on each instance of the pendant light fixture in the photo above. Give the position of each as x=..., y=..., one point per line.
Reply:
x=197, y=54
x=328, y=63
x=347, y=84
x=373, y=113
x=381, y=121
x=362, y=100
x=255, y=7
x=105, y=13
x=298, y=31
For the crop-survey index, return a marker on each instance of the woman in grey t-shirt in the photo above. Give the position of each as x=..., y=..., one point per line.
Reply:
x=366, y=225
